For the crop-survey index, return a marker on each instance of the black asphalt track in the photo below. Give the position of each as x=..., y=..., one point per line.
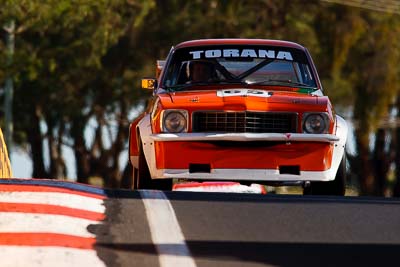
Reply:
x=230, y=229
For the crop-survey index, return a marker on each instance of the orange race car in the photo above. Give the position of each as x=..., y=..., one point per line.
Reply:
x=244, y=110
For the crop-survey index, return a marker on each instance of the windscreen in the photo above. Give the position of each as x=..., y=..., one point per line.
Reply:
x=264, y=65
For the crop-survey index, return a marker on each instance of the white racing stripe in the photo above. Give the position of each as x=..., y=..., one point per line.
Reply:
x=165, y=231
x=17, y=222
x=22, y=256
x=53, y=198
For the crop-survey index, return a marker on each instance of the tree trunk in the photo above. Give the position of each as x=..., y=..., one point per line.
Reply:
x=365, y=174
x=396, y=189
x=114, y=177
x=381, y=162
x=61, y=166
x=81, y=154
x=36, y=142
x=126, y=177
x=57, y=166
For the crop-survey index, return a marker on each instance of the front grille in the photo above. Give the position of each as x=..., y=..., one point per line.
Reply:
x=244, y=122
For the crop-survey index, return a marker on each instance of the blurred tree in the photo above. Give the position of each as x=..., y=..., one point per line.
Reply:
x=363, y=58
x=375, y=86
x=61, y=83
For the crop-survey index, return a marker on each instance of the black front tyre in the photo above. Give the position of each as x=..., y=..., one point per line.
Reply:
x=336, y=187
x=142, y=178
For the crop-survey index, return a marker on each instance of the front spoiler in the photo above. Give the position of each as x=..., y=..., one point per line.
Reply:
x=245, y=137
x=247, y=175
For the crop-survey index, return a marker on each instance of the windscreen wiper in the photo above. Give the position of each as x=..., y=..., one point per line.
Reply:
x=282, y=81
x=234, y=81
x=179, y=87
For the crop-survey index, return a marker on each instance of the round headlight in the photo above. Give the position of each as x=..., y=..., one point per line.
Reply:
x=315, y=124
x=174, y=122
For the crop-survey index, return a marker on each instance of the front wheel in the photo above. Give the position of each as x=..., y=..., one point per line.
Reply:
x=142, y=178
x=336, y=187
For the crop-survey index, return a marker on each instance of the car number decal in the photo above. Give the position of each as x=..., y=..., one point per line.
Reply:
x=243, y=93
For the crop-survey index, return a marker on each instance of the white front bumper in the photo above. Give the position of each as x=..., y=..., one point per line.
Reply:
x=245, y=137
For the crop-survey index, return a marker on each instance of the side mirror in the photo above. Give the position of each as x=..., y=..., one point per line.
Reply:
x=148, y=83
